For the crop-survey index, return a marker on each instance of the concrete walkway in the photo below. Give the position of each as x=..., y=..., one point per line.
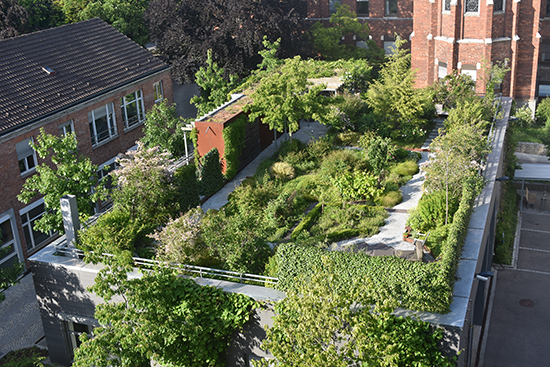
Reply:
x=308, y=131
x=391, y=234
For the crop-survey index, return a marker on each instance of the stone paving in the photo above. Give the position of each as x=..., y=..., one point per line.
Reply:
x=20, y=323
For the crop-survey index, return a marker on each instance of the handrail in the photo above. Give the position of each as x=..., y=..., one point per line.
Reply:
x=201, y=271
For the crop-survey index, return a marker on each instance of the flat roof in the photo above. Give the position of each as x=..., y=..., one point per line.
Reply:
x=533, y=172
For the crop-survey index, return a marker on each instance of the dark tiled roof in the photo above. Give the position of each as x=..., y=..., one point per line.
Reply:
x=88, y=58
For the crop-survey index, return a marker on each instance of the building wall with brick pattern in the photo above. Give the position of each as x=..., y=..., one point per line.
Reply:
x=11, y=179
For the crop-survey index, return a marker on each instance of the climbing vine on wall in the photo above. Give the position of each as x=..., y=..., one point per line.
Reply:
x=233, y=138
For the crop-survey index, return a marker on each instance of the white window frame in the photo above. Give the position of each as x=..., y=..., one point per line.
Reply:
x=470, y=70
x=140, y=109
x=24, y=164
x=27, y=222
x=10, y=217
x=441, y=70
x=62, y=129
x=111, y=124
x=158, y=92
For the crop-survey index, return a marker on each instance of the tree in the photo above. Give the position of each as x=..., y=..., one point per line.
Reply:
x=185, y=30
x=13, y=19
x=164, y=129
x=10, y=274
x=321, y=325
x=393, y=98
x=458, y=153
x=42, y=14
x=125, y=15
x=379, y=152
x=161, y=317
x=71, y=174
x=328, y=41
x=214, y=88
x=285, y=97
x=144, y=186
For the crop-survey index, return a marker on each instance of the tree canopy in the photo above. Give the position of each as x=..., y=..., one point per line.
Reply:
x=71, y=174
x=285, y=97
x=185, y=30
x=161, y=317
x=327, y=41
x=322, y=325
x=13, y=19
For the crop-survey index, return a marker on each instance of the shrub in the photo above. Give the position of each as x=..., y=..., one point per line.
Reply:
x=430, y=212
x=348, y=138
x=318, y=149
x=339, y=161
x=308, y=221
x=358, y=185
x=116, y=232
x=180, y=240
x=233, y=138
x=543, y=112
x=282, y=171
x=187, y=187
x=390, y=199
x=211, y=173
x=525, y=116
x=436, y=240
x=407, y=168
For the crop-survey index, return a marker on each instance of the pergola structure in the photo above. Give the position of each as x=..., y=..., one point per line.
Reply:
x=532, y=172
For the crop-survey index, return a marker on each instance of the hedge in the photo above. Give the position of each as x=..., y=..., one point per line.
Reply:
x=308, y=221
x=416, y=285
x=211, y=173
x=187, y=187
x=233, y=139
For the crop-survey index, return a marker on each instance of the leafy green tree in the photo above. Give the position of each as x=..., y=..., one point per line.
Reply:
x=458, y=153
x=543, y=112
x=162, y=317
x=71, y=174
x=8, y=275
x=379, y=152
x=125, y=15
x=238, y=240
x=144, y=186
x=321, y=325
x=285, y=97
x=43, y=14
x=453, y=90
x=393, y=98
x=328, y=41
x=214, y=88
x=164, y=129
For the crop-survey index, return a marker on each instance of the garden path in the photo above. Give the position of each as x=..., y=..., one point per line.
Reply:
x=391, y=234
x=307, y=132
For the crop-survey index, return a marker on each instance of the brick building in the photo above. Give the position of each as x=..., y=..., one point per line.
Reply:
x=449, y=35
x=85, y=78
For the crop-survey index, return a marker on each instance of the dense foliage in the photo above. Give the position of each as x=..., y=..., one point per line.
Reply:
x=162, y=317
x=285, y=97
x=184, y=31
x=233, y=141
x=400, y=108
x=211, y=173
x=164, y=129
x=187, y=187
x=321, y=325
x=214, y=88
x=327, y=41
x=13, y=19
x=70, y=174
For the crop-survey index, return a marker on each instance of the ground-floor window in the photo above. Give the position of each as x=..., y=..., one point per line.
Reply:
x=9, y=254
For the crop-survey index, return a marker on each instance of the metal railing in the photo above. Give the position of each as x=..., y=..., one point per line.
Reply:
x=199, y=271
